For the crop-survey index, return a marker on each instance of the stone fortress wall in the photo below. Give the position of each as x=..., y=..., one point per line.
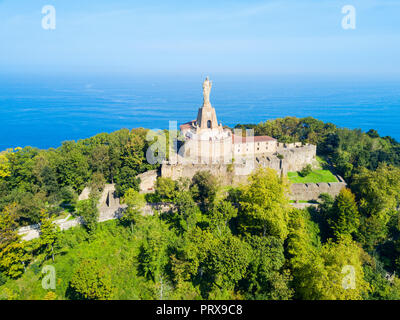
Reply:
x=289, y=157
x=238, y=173
x=312, y=191
x=225, y=173
x=295, y=157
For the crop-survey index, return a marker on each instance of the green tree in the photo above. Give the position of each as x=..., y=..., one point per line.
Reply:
x=378, y=193
x=13, y=254
x=90, y=281
x=4, y=165
x=97, y=182
x=135, y=202
x=383, y=285
x=373, y=133
x=222, y=213
x=265, y=277
x=48, y=234
x=154, y=254
x=302, y=240
x=21, y=165
x=13, y=258
x=48, y=177
x=264, y=203
x=227, y=261
x=165, y=188
x=187, y=209
x=321, y=272
x=88, y=211
x=323, y=214
x=72, y=166
x=344, y=214
x=325, y=276
x=99, y=158
x=68, y=197
x=204, y=188
x=126, y=179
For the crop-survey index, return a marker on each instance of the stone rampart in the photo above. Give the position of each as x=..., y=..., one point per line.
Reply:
x=296, y=157
x=293, y=157
x=312, y=191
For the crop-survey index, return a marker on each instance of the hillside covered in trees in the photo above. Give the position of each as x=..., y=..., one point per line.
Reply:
x=216, y=242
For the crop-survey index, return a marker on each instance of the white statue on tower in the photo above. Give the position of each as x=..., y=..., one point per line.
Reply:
x=207, y=84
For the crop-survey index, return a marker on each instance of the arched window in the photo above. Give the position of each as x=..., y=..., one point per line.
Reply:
x=209, y=124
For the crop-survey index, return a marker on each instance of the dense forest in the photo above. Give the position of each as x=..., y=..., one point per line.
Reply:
x=216, y=242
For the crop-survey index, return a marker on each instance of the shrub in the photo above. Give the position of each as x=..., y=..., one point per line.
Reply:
x=305, y=171
x=165, y=188
x=89, y=212
x=204, y=189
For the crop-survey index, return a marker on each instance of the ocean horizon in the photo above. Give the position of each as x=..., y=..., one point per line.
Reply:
x=44, y=111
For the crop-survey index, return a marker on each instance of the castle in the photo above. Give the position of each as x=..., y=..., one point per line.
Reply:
x=231, y=156
x=206, y=141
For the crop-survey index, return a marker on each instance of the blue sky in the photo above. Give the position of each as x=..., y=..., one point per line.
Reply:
x=227, y=36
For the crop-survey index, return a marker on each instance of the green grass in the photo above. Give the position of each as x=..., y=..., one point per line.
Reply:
x=304, y=201
x=315, y=176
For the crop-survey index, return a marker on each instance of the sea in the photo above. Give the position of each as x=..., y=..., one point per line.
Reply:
x=44, y=110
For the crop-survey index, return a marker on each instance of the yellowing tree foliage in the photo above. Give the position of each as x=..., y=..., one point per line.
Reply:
x=12, y=252
x=4, y=165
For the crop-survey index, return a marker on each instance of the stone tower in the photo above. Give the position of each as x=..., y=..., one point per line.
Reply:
x=206, y=117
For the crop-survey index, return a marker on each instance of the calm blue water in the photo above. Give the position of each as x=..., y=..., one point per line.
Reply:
x=44, y=111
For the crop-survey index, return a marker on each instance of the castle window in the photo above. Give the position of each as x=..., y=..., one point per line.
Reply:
x=209, y=124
